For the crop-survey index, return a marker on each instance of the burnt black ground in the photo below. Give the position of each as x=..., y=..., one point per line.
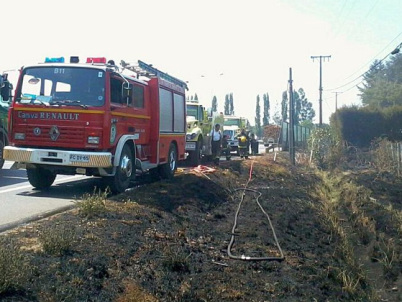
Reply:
x=167, y=241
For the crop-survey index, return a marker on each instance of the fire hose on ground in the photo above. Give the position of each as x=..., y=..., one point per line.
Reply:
x=233, y=234
x=203, y=170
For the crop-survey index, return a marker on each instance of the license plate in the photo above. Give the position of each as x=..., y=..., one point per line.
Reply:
x=190, y=146
x=79, y=158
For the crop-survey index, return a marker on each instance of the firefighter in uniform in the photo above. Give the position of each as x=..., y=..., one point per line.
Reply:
x=243, y=143
x=216, y=143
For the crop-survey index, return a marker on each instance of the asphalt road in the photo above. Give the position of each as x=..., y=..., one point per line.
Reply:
x=20, y=203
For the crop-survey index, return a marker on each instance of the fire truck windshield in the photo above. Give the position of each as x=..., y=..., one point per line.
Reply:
x=231, y=122
x=62, y=86
x=192, y=110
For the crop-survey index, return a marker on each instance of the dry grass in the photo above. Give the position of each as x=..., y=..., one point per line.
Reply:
x=93, y=205
x=14, y=267
x=58, y=240
x=134, y=293
x=333, y=193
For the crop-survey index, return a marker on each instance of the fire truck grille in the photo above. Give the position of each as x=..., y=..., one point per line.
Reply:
x=60, y=136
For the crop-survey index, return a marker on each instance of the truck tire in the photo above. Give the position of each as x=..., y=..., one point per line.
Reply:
x=40, y=178
x=125, y=172
x=167, y=170
x=196, y=155
x=1, y=154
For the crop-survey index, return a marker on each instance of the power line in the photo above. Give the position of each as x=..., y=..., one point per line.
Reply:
x=395, y=51
x=373, y=58
x=345, y=17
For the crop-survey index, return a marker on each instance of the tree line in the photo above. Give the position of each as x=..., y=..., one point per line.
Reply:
x=382, y=84
x=380, y=115
x=303, y=111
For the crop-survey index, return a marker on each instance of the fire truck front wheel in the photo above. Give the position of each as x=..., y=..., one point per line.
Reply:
x=40, y=178
x=196, y=155
x=125, y=172
x=167, y=170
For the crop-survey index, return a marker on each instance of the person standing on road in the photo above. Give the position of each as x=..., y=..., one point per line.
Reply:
x=216, y=143
x=243, y=143
x=253, y=144
x=226, y=147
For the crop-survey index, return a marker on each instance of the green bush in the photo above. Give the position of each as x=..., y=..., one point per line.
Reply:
x=94, y=204
x=325, y=148
x=360, y=126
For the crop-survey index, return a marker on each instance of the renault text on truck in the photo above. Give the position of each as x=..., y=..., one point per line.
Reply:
x=94, y=119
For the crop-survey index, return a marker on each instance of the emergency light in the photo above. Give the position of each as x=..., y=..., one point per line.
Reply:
x=54, y=60
x=96, y=60
x=74, y=59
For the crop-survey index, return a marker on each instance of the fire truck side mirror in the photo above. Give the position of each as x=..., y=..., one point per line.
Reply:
x=6, y=88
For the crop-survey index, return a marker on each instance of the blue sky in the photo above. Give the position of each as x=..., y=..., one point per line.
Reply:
x=243, y=47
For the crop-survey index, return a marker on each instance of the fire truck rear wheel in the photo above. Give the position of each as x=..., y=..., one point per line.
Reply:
x=125, y=172
x=40, y=178
x=167, y=170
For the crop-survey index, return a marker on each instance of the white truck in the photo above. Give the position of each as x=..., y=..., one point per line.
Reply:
x=233, y=126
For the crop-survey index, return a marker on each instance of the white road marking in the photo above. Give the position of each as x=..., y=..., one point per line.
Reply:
x=29, y=186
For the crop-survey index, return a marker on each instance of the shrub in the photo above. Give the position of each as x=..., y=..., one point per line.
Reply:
x=57, y=240
x=94, y=204
x=325, y=147
x=14, y=267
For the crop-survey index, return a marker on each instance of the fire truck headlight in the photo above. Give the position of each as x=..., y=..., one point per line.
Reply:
x=19, y=136
x=93, y=140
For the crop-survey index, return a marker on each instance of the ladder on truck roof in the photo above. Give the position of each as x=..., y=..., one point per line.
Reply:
x=148, y=70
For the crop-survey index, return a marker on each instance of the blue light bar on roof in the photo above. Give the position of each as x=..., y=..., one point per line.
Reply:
x=54, y=60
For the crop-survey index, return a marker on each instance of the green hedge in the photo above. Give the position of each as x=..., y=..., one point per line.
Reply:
x=360, y=126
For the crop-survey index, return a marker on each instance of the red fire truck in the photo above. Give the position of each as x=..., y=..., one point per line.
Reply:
x=96, y=119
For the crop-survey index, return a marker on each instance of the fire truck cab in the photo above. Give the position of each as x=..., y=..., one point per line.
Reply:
x=96, y=119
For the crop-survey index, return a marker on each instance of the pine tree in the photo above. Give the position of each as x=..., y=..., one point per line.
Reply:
x=284, y=106
x=258, y=117
x=297, y=107
x=227, y=105
x=265, y=119
x=195, y=97
x=214, y=104
x=231, y=107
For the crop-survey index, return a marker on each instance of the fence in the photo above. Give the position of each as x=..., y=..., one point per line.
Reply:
x=301, y=135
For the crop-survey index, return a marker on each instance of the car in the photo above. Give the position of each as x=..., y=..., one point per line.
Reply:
x=269, y=141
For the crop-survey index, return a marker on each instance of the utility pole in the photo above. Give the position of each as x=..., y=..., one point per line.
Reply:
x=336, y=99
x=291, y=120
x=320, y=88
